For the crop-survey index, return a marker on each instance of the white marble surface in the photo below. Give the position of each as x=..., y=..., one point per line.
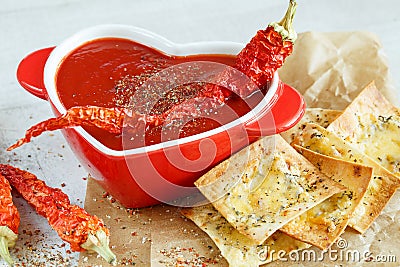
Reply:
x=27, y=25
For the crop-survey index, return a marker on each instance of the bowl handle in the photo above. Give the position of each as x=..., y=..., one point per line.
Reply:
x=30, y=72
x=284, y=114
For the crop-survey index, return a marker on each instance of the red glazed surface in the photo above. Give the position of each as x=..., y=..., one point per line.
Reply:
x=132, y=176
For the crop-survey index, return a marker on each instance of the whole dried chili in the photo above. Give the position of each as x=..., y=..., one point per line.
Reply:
x=71, y=222
x=9, y=220
x=267, y=51
x=261, y=57
x=258, y=60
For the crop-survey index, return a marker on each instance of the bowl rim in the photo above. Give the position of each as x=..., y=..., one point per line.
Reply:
x=162, y=44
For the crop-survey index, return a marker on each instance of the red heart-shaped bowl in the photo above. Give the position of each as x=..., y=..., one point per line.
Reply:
x=161, y=172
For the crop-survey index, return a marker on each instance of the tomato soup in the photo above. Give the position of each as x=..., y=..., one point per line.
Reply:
x=106, y=72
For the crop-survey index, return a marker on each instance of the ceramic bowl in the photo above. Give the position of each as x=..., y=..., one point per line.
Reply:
x=158, y=173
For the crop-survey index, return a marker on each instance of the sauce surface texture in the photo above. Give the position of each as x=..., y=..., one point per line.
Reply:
x=106, y=72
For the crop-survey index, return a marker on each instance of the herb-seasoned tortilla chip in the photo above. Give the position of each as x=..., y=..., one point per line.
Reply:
x=238, y=249
x=250, y=165
x=372, y=124
x=322, y=117
x=381, y=187
x=324, y=223
x=290, y=185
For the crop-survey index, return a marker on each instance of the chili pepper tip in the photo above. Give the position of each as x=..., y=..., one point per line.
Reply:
x=19, y=143
x=99, y=243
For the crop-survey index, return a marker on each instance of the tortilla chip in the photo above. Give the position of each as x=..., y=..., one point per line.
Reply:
x=372, y=124
x=381, y=187
x=290, y=185
x=322, y=117
x=323, y=224
x=238, y=249
x=250, y=164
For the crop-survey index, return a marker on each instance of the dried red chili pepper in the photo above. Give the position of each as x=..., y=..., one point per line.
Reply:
x=259, y=60
x=71, y=222
x=9, y=220
x=267, y=51
x=261, y=57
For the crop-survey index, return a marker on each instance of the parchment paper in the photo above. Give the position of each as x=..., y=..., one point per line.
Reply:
x=329, y=69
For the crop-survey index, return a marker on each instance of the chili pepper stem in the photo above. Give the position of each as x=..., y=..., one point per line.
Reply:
x=5, y=254
x=99, y=243
x=7, y=239
x=285, y=26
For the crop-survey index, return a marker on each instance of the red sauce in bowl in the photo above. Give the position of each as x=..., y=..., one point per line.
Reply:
x=105, y=72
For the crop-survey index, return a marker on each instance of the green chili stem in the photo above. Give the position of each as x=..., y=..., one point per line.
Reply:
x=99, y=243
x=285, y=26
